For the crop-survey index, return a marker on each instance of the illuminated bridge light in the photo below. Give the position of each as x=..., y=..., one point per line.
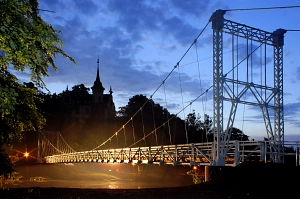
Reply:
x=26, y=154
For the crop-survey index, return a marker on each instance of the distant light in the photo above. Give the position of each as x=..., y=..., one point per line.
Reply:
x=26, y=154
x=195, y=167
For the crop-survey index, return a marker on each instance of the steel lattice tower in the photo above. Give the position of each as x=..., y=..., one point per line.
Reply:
x=232, y=89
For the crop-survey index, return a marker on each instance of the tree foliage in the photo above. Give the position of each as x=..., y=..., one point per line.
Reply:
x=150, y=115
x=6, y=167
x=237, y=134
x=202, y=130
x=198, y=124
x=149, y=118
x=134, y=104
x=27, y=40
x=198, y=130
x=28, y=44
x=80, y=88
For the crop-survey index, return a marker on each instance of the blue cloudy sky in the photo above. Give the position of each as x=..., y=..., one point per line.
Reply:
x=138, y=42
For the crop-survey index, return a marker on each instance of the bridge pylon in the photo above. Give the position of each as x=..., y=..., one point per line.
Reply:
x=231, y=88
x=44, y=142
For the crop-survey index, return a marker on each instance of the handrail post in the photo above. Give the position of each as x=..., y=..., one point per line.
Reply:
x=263, y=151
x=176, y=153
x=192, y=161
x=297, y=155
x=237, y=153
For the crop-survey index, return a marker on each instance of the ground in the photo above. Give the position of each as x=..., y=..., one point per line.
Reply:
x=252, y=180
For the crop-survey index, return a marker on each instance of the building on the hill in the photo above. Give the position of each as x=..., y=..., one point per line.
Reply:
x=81, y=106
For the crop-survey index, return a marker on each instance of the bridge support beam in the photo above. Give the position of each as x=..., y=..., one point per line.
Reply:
x=278, y=138
x=218, y=150
x=233, y=89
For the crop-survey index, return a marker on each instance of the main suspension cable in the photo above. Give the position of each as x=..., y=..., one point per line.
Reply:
x=158, y=86
x=265, y=8
x=174, y=116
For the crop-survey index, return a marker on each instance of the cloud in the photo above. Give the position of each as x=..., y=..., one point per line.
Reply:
x=136, y=17
x=192, y=7
x=139, y=42
x=116, y=45
x=182, y=32
x=86, y=7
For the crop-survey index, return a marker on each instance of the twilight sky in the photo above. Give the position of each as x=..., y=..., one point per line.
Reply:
x=139, y=42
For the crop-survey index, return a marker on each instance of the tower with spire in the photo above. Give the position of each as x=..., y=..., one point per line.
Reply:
x=103, y=106
x=97, y=88
x=80, y=105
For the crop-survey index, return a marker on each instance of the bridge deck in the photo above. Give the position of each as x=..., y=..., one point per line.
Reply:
x=183, y=154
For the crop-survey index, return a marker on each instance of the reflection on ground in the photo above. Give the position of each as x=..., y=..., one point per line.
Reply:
x=100, y=175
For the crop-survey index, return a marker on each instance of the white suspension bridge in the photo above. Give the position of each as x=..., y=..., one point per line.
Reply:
x=231, y=87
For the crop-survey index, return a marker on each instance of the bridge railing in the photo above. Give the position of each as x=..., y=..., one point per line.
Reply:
x=182, y=154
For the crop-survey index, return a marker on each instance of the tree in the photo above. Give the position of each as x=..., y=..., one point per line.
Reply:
x=28, y=44
x=201, y=131
x=81, y=89
x=145, y=117
x=134, y=104
x=198, y=130
x=80, y=93
x=237, y=134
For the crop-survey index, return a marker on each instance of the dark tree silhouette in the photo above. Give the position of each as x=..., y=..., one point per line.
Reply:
x=198, y=130
x=29, y=44
x=201, y=131
x=80, y=88
x=237, y=134
x=150, y=118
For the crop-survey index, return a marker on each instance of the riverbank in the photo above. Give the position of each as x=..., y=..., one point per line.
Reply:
x=253, y=180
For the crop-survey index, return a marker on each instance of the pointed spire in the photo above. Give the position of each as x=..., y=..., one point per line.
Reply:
x=98, y=76
x=110, y=91
x=67, y=88
x=97, y=82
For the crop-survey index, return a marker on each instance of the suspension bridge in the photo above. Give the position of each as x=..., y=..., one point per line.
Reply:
x=234, y=85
